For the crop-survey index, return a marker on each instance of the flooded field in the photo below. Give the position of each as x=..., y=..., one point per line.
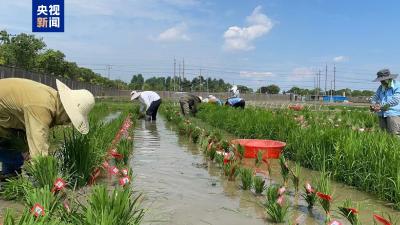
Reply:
x=182, y=187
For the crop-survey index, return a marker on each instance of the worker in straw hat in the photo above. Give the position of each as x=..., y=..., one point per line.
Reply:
x=28, y=110
x=189, y=104
x=150, y=101
x=386, y=101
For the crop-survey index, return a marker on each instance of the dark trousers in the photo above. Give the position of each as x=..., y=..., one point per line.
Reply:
x=11, y=161
x=11, y=157
x=240, y=104
x=151, y=112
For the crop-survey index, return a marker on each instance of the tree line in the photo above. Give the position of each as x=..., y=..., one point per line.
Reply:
x=30, y=53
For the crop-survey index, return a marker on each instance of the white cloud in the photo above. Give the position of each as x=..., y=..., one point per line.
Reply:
x=255, y=74
x=301, y=73
x=341, y=58
x=241, y=38
x=176, y=33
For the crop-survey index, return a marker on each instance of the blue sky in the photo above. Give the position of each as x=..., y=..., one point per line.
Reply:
x=247, y=42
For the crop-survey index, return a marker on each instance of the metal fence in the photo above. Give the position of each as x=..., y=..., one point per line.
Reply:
x=106, y=92
x=50, y=80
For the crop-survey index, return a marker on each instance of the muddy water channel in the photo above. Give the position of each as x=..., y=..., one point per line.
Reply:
x=181, y=187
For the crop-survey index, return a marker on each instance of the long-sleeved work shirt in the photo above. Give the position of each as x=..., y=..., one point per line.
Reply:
x=388, y=96
x=32, y=107
x=146, y=98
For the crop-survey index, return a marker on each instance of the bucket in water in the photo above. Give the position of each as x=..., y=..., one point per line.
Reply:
x=271, y=148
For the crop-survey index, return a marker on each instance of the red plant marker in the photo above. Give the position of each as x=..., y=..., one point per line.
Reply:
x=59, y=184
x=66, y=206
x=94, y=175
x=280, y=200
x=335, y=222
x=281, y=190
x=105, y=165
x=113, y=152
x=353, y=210
x=114, y=170
x=124, y=172
x=308, y=187
x=324, y=196
x=37, y=210
x=227, y=158
x=382, y=220
x=124, y=181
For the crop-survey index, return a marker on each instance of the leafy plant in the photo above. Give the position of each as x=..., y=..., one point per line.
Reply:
x=324, y=194
x=259, y=184
x=79, y=157
x=296, y=177
x=212, y=152
x=44, y=171
x=284, y=169
x=258, y=160
x=351, y=214
x=276, y=206
x=219, y=159
x=240, y=151
x=14, y=188
x=125, y=148
x=44, y=197
x=122, y=206
x=310, y=195
x=246, y=176
x=195, y=134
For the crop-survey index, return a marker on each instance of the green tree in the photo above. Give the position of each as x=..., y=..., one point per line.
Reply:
x=272, y=89
x=137, y=82
x=21, y=50
x=51, y=62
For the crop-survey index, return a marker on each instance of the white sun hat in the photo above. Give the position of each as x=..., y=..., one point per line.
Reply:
x=77, y=105
x=135, y=95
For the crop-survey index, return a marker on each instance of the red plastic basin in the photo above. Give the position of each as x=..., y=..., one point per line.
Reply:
x=271, y=148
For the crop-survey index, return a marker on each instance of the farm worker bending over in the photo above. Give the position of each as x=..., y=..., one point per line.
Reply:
x=189, y=104
x=235, y=100
x=28, y=110
x=213, y=100
x=386, y=102
x=149, y=101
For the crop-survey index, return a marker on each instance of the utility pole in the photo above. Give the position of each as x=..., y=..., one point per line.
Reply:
x=207, y=87
x=201, y=83
x=174, y=72
x=108, y=71
x=326, y=78
x=331, y=90
x=183, y=69
x=319, y=82
x=179, y=75
x=334, y=78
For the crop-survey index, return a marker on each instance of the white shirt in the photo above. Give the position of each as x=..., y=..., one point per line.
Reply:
x=146, y=98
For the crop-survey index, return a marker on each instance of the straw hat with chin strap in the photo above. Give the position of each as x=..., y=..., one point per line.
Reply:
x=77, y=105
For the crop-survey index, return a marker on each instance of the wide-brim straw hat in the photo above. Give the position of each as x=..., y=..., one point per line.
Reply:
x=77, y=105
x=385, y=74
x=135, y=95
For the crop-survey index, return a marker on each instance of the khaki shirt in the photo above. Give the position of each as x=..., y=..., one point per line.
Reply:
x=31, y=107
